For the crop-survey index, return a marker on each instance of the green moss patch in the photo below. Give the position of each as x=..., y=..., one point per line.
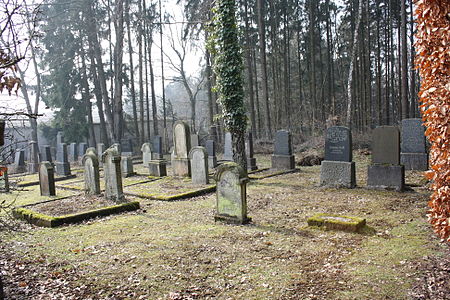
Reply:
x=337, y=222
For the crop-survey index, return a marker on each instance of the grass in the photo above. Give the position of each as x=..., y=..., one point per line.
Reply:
x=176, y=248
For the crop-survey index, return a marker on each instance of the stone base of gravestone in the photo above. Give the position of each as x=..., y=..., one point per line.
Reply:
x=251, y=164
x=283, y=162
x=414, y=161
x=212, y=162
x=338, y=174
x=181, y=167
x=386, y=177
x=62, y=169
x=157, y=168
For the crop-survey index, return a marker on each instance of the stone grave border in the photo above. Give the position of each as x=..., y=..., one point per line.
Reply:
x=27, y=214
x=76, y=188
x=31, y=183
x=252, y=175
x=329, y=222
x=180, y=196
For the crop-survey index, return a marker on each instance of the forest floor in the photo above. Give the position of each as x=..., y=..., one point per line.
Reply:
x=175, y=250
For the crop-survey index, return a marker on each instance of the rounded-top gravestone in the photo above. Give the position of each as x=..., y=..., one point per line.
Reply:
x=91, y=172
x=199, y=165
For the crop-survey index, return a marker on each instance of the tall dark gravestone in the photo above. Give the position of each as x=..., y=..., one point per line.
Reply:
x=46, y=154
x=47, y=179
x=62, y=161
x=338, y=170
x=386, y=171
x=195, y=140
x=73, y=152
x=249, y=151
x=157, y=147
x=413, y=154
x=282, y=158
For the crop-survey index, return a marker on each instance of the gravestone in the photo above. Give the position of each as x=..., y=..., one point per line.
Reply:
x=251, y=160
x=211, y=149
x=413, y=154
x=53, y=153
x=146, y=154
x=73, y=152
x=231, y=194
x=182, y=146
x=338, y=170
x=126, y=165
x=33, y=158
x=195, y=140
x=127, y=147
x=19, y=161
x=386, y=171
x=100, y=150
x=82, y=147
x=228, y=147
x=91, y=172
x=157, y=147
x=282, y=158
x=62, y=161
x=4, y=180
x=113, y=177
x=199, y=165
x=46, y=154
x=47, y=179
x=59, y=138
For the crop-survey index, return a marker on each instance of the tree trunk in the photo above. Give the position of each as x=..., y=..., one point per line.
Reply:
x=118, y=71
x=404, y=64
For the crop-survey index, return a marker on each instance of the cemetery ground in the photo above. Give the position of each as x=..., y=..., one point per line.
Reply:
x=175, y=250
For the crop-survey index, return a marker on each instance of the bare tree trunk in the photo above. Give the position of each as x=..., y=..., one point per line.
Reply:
x=118, y=65
x=141, y=71
x=404, y=63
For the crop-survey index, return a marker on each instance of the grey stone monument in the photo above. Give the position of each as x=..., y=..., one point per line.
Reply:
x=19, y=162
x=113, y=177
x=91, y=172
x=126, y=165
x=182, y=146
x=195, y=140
x=413, y=154
x=158, y=166
x=73, y=152
x=228, y=147
x=62, y=161
x=211, y=149
x=4, y=180
x=47, y=179
x=157, y=147
x=100, y=150
x=146, y=153
x=127, y=147
x=386, y=171
x=33, y=159
x=231, y=202
x=59, y=138
x=251, y=160
x=338, y=169
x=282, y=158
x=199, y=165
x=46, y=154
x=82, y=147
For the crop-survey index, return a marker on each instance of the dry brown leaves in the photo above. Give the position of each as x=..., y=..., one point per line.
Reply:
x=433, y=62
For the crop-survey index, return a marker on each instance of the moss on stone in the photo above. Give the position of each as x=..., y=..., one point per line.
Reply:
x=337, y=222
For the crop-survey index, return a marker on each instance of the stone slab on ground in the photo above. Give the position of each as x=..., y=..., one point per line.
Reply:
x=337, y=222
x=338, y=174
x=386, y=177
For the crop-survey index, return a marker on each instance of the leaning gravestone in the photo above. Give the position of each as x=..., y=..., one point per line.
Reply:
x=211, y=149
x=338, y=170
x=228, y=147
x=282, y=158
x=73, y=152
x=182, y=146
x=251, y=160
x=146, y=154
x=231, y=202
x=91, y=172
x=199, y=165
x=4, y=180
x=46, y=154
x=386, y=171
x=47, y=179
x=19, y=161
x=33, y=159
x=413, y=154
x=62, y=161
x=113, y=177
x=126, y=165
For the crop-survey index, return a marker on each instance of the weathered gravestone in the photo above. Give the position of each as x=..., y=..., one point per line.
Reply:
x=59, y=138
x=146, y=154
x=251, y=161
x=199, y=165
x=73, y=152
x=195, y=140
x=62, y=161
x=127, y=147
x=4, y=180
x=182, y=146
x=82, y=147
x=157, y=147
x=231, y=202
x=100, y=150
x=126, y=165
x=211, y=149
x=338, y=170
x=33, y=158
x=413, y=154
x=91, y=172
x=19, y=161
x=228, y=147
x=386, y=171
x=47, y=179
x=282, y=158
x=113, y=177
x=46, y=154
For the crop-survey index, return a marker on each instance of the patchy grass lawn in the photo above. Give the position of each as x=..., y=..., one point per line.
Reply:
x=174, y=250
